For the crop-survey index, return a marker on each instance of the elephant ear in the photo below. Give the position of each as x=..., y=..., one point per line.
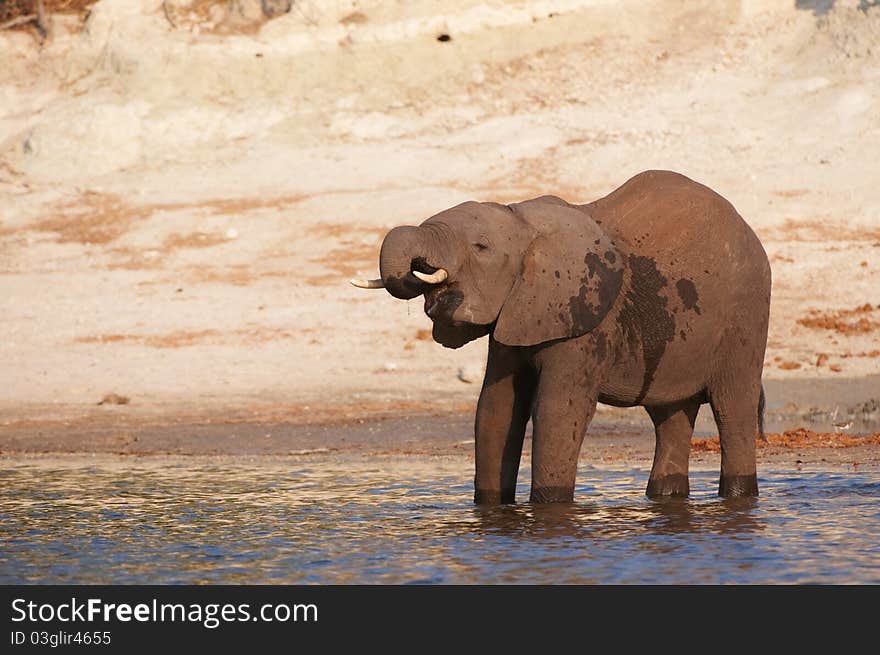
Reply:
x=571, y=275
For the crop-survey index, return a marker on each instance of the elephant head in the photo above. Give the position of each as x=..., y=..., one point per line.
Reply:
x=530, y=272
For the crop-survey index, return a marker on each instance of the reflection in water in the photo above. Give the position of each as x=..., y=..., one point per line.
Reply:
x=239, y=520
x=671, y=516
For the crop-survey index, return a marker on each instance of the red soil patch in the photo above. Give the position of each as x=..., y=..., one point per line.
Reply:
x=102, y=217
x=329, y=280
x=353, y=255
x=823, y=231
x=354, y=18
x=842, y=321
x=114, y=399
x=194, y=240
x=344, y=231
x=186, y=338
x=868, y=353
x=238, y=275
x=176, y=339
x=800, y=438
x=237, y=205
x=93, y=218
x=134, y=259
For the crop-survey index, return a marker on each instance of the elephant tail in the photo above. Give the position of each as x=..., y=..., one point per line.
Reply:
x=761, y=404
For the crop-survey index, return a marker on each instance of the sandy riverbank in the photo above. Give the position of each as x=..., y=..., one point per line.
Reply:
x=403, y=436
x=183, y=203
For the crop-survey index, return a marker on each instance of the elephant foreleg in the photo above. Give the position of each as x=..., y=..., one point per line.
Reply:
x=563, y=410
x=502, y=414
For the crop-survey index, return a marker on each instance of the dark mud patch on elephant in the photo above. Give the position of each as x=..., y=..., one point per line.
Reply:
x=687, y=291
x=598, y=291
x=645, y=317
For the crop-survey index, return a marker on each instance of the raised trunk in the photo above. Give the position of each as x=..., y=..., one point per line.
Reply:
x=404, y=249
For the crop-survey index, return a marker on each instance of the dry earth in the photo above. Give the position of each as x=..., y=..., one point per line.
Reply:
x=186, y=186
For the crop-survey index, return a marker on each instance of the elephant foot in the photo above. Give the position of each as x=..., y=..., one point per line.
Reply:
x=737, y=486
x=674, y=484
x=552, y=495
x=490, y=497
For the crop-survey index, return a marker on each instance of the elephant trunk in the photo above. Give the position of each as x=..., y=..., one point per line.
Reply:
x=406, y=249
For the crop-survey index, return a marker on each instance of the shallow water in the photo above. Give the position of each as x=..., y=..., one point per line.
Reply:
x=410, y=520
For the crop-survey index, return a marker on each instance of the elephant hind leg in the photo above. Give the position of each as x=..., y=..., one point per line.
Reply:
x=673, y=428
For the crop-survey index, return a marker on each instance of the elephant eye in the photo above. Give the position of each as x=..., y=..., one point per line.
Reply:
x=480, y=246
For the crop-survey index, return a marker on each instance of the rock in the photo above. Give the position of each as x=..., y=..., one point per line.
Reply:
x=272, y=8
x=254, y=11
x=470, y=374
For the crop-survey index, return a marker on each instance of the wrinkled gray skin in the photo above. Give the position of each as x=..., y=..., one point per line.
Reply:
x=656, y=295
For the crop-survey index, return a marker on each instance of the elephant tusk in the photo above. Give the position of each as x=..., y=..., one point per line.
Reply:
x=368, y=284
x=436, y=277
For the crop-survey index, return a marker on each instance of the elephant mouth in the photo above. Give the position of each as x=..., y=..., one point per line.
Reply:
x=441, y=303
x=440, y=306
x=455, y=336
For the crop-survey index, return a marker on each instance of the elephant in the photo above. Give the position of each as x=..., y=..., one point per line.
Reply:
x=655, y=295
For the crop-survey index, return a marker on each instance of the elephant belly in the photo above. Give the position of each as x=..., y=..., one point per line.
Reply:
x=641, y=380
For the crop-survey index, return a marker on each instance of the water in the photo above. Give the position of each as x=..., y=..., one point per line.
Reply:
x=409, y=520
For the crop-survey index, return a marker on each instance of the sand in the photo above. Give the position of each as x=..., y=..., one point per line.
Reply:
x=185, y=194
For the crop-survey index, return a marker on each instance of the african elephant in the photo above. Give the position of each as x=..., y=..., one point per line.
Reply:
x=656, y=295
